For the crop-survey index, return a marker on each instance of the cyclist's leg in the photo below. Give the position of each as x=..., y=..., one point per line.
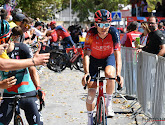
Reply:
x=110, y=72
x=93, y=70
x=69, y=40
x=6, y=111
x=30, y=107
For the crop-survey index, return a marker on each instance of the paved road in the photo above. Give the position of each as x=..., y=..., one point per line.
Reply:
x=65, y=101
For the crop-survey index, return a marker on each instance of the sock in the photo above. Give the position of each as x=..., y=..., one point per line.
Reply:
x=90, y=117
x=109, y=100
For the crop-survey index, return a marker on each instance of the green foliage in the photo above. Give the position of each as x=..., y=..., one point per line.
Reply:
x=45, y=9
x=152, y=4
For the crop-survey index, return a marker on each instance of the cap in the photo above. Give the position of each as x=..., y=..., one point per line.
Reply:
x=19, y=17
x=53, y=22
x=37, y=24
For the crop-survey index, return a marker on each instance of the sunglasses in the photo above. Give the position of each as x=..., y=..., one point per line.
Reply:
x=101, y=25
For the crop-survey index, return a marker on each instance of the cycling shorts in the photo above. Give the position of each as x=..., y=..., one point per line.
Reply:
x=95, y=63
x=29, y=106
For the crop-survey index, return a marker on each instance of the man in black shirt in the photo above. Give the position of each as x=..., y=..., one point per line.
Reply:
x=156, y=39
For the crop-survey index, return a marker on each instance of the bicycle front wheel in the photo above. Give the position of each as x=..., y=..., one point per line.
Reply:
x=18, y=120
x=101, y=116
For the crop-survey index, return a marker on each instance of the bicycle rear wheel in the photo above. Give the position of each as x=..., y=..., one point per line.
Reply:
x=101, y=115
x=18, y=120
x=78, y=64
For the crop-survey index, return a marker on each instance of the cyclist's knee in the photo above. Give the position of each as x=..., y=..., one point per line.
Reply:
x=91, y=95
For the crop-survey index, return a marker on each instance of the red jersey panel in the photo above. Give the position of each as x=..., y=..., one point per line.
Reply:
x=131, y=36
x=102, y=48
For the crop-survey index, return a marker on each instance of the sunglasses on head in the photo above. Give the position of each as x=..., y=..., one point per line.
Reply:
x=101, y=25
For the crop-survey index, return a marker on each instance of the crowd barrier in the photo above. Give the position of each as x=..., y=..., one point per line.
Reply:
x=144, y=78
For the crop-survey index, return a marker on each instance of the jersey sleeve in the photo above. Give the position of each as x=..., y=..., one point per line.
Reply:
x=115, y=37
x=88, y=41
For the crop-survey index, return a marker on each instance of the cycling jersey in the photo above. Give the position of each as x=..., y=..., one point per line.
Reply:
x=61, y=31
x=24, y=83
x=131, y=38
x=102, y=48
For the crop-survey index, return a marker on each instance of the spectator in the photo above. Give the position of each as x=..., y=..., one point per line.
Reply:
x=131, y=36
x=156, y=42
x=144, y=36
x=159, y=10
x=161, y=27
x=134, y=4
x=144, y=6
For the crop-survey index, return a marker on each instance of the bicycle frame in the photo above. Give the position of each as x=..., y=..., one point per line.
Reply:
x=77, y=53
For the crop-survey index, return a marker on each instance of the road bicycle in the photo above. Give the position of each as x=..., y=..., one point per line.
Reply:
x=68, y=57
x=16, y=109
x=100, y=118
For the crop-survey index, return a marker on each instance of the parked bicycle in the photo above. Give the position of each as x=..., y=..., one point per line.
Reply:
x=67, y=57
x=16, y=109
x=100, y=118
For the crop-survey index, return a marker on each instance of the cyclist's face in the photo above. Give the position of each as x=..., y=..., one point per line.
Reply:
x=103, y=27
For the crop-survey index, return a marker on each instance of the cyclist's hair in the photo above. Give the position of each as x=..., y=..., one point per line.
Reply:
x=17, y=30
x=133, y=25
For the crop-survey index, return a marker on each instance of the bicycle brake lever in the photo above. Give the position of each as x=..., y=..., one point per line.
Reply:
x=119, y=86
x=87, y=78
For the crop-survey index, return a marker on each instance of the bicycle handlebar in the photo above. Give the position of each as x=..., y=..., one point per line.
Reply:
x=104, y=78
x=18, y=97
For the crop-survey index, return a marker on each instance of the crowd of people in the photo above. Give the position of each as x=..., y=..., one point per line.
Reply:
x=140, y=8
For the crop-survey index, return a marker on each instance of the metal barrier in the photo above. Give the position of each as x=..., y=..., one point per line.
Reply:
x=144, y=76
x=129, y=69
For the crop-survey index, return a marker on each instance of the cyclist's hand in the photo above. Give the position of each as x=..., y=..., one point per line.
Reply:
x=7, y=83
x=84, y=79
x=40, y=93
x=120, y=81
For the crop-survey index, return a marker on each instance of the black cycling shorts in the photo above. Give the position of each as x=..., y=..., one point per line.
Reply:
x=29, y=106
x=95, y=63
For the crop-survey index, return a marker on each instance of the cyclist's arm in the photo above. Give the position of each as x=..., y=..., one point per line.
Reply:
x=34, y=76
x=86, y=60
x=14, y=64
x=118, y=62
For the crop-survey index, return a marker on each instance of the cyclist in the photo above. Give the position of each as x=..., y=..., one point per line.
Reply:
x=12, y=64
x=102, y=48
x=60, y=32
x=26, y=85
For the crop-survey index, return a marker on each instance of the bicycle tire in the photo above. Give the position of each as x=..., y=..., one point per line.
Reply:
x=18, y=120
x=101, y=116
x=57, y=61
x=79, y=64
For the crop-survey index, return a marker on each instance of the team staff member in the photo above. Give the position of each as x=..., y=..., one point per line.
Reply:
x=132, y=35
x=156, y=42
x=102, y=48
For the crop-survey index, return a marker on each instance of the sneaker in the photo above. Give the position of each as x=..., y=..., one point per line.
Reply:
x=110, y=111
